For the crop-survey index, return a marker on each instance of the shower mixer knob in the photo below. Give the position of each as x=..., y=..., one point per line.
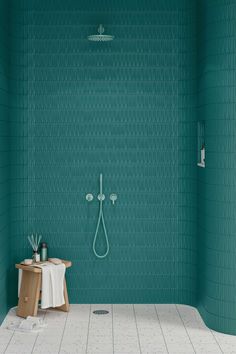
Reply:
x=89, y=197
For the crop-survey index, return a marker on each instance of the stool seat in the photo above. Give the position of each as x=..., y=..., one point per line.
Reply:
x=30, y=290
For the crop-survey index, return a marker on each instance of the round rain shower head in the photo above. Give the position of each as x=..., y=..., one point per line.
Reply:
x=100, y=37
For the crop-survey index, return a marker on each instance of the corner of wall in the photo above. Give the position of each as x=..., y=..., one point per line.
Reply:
x=216, y=183
x=4, y=162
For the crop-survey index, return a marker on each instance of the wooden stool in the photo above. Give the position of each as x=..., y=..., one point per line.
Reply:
x=30, y=291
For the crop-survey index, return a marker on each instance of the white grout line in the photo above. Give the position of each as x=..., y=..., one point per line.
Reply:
x=212, y=332
x=16, y=332
x=12, y=333
x=90, y=309
x=63, y=332
x=158, y=319
x=137, y=329
x=185, y=328
x=9, y=342
x=112, y=328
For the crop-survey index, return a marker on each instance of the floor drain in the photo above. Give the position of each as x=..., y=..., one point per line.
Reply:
x=100, y=312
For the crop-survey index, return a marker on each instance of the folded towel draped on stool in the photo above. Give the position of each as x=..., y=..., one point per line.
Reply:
x=52, y=284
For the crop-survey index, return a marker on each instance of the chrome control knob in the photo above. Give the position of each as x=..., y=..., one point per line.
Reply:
x=89, y=197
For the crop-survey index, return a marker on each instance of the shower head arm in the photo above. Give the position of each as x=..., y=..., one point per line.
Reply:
x=101, y=29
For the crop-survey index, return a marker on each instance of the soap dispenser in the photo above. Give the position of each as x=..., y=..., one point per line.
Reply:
x=44, y=252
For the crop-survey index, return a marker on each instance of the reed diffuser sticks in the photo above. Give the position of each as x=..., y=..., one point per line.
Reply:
x=34, y=242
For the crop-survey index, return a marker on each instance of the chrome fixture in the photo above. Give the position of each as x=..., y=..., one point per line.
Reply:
x=113, y=198
x=100, y=312
x=100, y=37
x=89, y=197
x=101, y=198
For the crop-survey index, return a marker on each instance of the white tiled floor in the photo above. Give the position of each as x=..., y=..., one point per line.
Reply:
x=137, y=329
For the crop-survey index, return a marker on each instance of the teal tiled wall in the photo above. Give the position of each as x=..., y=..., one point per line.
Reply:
x=128, y=109
x=217, y=186
x=4, y=162
x=125, y=109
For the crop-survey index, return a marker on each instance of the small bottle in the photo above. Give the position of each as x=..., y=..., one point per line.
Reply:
x=36, y=257
x=44, y=252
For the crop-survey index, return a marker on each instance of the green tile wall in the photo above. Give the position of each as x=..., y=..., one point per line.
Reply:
x=216, y=184
x=128, y=109
x=4, y=162
x=125, y=109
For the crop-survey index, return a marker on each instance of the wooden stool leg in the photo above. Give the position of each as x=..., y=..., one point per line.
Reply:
x=66, y=305
x=29, y=294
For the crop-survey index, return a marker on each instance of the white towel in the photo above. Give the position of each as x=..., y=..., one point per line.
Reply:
x=29, y=325
x=19, y=280
x=52, y=284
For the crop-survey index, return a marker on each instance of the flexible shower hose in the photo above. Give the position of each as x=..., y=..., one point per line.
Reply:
x=101, y=197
